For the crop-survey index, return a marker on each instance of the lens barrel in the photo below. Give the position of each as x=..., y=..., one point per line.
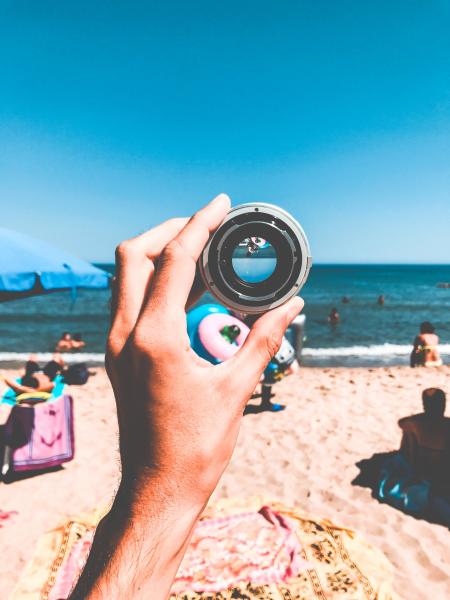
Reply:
x=271, y=227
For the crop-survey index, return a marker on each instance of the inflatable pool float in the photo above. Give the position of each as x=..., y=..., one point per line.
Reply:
x=207, y=326
x=215, y=334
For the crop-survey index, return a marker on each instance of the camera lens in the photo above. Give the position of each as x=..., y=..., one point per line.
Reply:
x=257, y=259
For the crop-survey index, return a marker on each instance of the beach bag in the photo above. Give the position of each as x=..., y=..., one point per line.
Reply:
x=76, y=374
x=41, y=436
x=400, y=488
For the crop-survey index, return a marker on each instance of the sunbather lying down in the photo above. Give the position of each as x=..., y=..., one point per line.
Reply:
x=35, y=379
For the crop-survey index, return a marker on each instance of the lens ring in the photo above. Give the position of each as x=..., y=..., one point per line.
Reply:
x=267, y=289
x=283, y=232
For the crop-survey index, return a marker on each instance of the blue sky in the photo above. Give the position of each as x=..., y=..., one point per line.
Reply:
x=117, y=115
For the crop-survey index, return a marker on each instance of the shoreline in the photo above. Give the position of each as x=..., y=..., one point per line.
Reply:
x=306, y=456
x=377, y=356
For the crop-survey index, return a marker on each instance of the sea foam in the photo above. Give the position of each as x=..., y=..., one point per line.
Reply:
x=381, y=350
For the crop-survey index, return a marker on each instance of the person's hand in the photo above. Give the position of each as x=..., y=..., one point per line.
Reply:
x=178, y=415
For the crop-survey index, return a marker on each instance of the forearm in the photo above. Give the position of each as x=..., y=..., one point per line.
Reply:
x=19, y=389
x=139, y=545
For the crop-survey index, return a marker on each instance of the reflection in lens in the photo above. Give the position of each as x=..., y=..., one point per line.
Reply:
x=254, y=260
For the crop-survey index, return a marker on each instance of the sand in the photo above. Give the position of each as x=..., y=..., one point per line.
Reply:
x=305, y=456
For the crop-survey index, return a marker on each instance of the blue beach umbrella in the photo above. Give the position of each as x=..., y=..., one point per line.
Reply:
x=29, y=267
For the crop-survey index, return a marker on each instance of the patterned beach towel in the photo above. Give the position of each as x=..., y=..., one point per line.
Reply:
x=259, y=547
x=333, y=563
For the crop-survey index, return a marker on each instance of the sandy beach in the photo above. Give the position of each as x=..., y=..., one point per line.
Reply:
x=305, y=456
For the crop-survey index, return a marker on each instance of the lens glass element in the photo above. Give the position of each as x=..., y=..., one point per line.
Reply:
x=254, y=260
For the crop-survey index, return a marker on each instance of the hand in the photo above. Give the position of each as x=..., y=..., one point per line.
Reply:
x=178, y=415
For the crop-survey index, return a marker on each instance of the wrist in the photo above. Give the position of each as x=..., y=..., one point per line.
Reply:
x=141, y=494
x=190, y=476
x=139, y=544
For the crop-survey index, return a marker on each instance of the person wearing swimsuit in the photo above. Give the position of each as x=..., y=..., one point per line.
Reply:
x=425, y=351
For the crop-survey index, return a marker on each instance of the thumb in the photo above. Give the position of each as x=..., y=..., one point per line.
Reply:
x=263, y=342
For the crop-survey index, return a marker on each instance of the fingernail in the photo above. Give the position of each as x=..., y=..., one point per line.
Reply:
x=221, y=199
x=295, y=306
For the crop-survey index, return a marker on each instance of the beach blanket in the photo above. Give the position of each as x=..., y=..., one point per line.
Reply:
x=259, y=547
x=333, y=562
x=40, y=436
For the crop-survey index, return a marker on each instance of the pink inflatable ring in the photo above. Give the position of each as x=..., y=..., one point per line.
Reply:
x=214, y=342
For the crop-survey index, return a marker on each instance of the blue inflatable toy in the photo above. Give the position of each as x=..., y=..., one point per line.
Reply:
x=194, y=318
x=198, y=330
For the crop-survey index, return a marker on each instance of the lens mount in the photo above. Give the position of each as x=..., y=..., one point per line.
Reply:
x=274, y=226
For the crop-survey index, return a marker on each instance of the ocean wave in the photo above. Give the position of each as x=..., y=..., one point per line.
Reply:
x=381, y=350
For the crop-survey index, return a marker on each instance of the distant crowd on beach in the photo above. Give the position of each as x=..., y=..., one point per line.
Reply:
x=425, y=351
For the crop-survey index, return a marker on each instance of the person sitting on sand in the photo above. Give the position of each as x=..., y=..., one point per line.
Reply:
x=333, y=317
x=416, y=479
x=172, y=451
x=425, y=351
x=64, y=343
x=426, y=441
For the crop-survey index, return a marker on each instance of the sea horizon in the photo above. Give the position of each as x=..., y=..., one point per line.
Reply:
x=368, y=334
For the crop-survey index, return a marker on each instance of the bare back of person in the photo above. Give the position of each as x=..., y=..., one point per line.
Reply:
x=430, y=342
x=426, y=446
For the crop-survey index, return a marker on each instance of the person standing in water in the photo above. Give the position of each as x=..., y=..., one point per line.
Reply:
x=333, y=317
x=77, y=342
x=64, y=343
x=425, y=352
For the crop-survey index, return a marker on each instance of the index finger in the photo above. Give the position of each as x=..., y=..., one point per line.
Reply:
x=175, y=274
x=135, y=266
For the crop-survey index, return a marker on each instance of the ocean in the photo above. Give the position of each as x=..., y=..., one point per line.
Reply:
x=367, y=335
